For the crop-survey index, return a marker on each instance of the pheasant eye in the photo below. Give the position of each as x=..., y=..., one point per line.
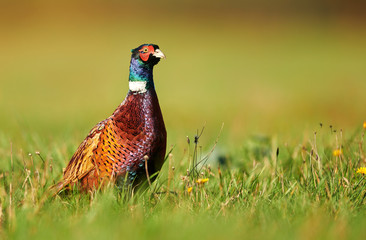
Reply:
x=145, y=50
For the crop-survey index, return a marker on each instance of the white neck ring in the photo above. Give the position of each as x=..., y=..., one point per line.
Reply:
x=138, y=86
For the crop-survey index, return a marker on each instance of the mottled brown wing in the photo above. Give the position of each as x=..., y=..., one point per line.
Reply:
x=82, y=162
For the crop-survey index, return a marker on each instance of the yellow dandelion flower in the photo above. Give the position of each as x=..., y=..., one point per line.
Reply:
x=361, y=170
x=189, y=190
x=364, y=125
x=202, y=180
x=337, y=152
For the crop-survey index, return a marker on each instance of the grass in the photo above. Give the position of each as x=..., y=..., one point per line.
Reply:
x=265, y=190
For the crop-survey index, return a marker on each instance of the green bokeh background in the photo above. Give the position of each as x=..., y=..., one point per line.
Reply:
x=267, y=67
x=270, y=70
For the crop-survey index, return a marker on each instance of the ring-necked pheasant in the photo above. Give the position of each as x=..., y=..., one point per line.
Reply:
x=119, y=145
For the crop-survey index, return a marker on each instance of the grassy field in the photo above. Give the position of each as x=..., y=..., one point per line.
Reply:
x=307, y=191
x=289, y=90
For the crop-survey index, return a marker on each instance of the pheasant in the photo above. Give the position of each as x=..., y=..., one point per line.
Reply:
x=116, y=148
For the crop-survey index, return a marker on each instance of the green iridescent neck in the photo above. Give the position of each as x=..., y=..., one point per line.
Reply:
x=140, y=72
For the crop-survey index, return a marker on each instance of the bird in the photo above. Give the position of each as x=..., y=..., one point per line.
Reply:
x=130, y=145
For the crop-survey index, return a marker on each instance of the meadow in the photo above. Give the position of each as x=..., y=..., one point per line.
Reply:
x=280, y=102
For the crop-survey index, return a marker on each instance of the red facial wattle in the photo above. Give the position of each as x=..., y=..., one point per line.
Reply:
x=145, y=52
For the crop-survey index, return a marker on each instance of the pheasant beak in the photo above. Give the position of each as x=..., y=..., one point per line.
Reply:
x=158, y=54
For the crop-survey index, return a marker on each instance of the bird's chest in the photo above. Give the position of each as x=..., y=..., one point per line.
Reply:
x=139, y=119
x=139, y=115
x=134, y=131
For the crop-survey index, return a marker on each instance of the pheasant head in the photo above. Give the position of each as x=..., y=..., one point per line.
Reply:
x=143, y=60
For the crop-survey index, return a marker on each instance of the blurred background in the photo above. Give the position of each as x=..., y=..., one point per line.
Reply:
x=261, y=67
